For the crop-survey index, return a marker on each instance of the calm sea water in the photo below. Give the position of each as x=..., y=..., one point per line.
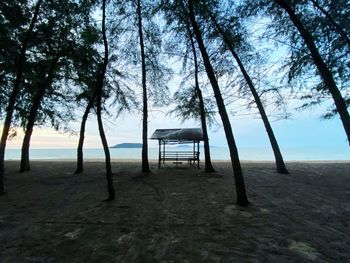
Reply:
x=217, y=153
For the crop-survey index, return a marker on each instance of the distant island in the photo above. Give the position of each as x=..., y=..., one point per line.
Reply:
x=127, y=145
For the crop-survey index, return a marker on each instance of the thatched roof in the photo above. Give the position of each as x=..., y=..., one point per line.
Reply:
x=188, y=134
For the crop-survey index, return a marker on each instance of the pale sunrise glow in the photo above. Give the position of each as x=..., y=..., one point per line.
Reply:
x=44, y=138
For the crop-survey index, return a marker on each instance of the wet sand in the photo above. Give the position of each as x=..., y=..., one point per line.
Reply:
x=175, y=215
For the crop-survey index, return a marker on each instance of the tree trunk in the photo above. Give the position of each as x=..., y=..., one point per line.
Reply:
x=242, y=199
x=99, y=91
x=80, y=164
x=44, y=83
x=14, y=93
x=110, y=187
x=281, y=167
x=337, y=27
x=145, y=164
x=25, y=163
x=208, y=165
x=321, y=66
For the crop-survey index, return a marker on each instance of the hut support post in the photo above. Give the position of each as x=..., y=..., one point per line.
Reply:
x=159, y=152
x=198, y=154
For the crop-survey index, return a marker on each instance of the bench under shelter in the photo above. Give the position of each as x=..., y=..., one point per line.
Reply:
x=168, y=137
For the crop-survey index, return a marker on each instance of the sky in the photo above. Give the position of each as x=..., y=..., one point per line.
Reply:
x=303, y=130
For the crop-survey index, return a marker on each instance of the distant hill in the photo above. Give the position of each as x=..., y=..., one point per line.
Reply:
x=127, y=145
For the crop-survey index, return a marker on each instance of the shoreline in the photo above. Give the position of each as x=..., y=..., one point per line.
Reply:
x=217, y=154
x=156, y=160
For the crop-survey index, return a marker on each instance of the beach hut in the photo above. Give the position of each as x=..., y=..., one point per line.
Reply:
x=178, y=136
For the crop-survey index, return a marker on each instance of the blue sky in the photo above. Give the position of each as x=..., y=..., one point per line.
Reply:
x=303, y=130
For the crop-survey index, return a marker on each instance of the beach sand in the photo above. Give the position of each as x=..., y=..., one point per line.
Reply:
x=175, y=215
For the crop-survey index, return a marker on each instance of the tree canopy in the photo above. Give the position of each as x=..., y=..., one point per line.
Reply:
x=52, y=54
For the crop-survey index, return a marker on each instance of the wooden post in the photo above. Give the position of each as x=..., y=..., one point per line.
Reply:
x=194, y=152
x=159, y=152
x=177, y=159
x=198, y=154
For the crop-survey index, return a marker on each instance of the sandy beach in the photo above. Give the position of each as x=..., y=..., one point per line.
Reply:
x=175, y=215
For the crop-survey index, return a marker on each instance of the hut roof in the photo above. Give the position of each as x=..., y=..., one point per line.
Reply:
x=188, y=134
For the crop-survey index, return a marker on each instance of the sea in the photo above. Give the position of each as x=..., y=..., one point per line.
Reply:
x=217, y=153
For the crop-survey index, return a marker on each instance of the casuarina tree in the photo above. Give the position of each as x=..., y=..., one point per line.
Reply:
x=21, y=59
x=321, y=65
x=208, y=165
x=99, y=91
x=145, y=163
x=229, y=40
x=313, y=47
x=242, y=199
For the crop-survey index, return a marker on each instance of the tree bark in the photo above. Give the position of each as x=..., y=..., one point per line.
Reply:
x=325, y=73
x=208, y=164
x=281, y=167
x=145, y=163
x=80, y=162
x=99, y=90
x=337, y=27
x=43, y=85
x=25, y=162
x=242, y=199
x=14, y=93
x=110, y=187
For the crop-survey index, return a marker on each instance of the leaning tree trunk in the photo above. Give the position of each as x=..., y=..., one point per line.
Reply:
x=15, y=90
x=242, y=199
x=281, y=167
x=208, y=165
x=110, y=187
x=25, y=162
x=43, y=85
x=145, y=164
x=325, y=73
x=99, y=91
x=80, y=162
x=336, y=25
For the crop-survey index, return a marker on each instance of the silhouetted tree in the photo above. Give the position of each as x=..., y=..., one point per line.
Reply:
x=80, y=162
x=15, y=90
x=99, y=92
x=45, y=81
x=322, y=67
x=316, y=50
x=121, y=97
x=86, y=62
x=61, y=38
x=145, y=164
x=229, y=40
x=242, y=199
x=141, y=38
x=208, y=165
x=337, y=26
